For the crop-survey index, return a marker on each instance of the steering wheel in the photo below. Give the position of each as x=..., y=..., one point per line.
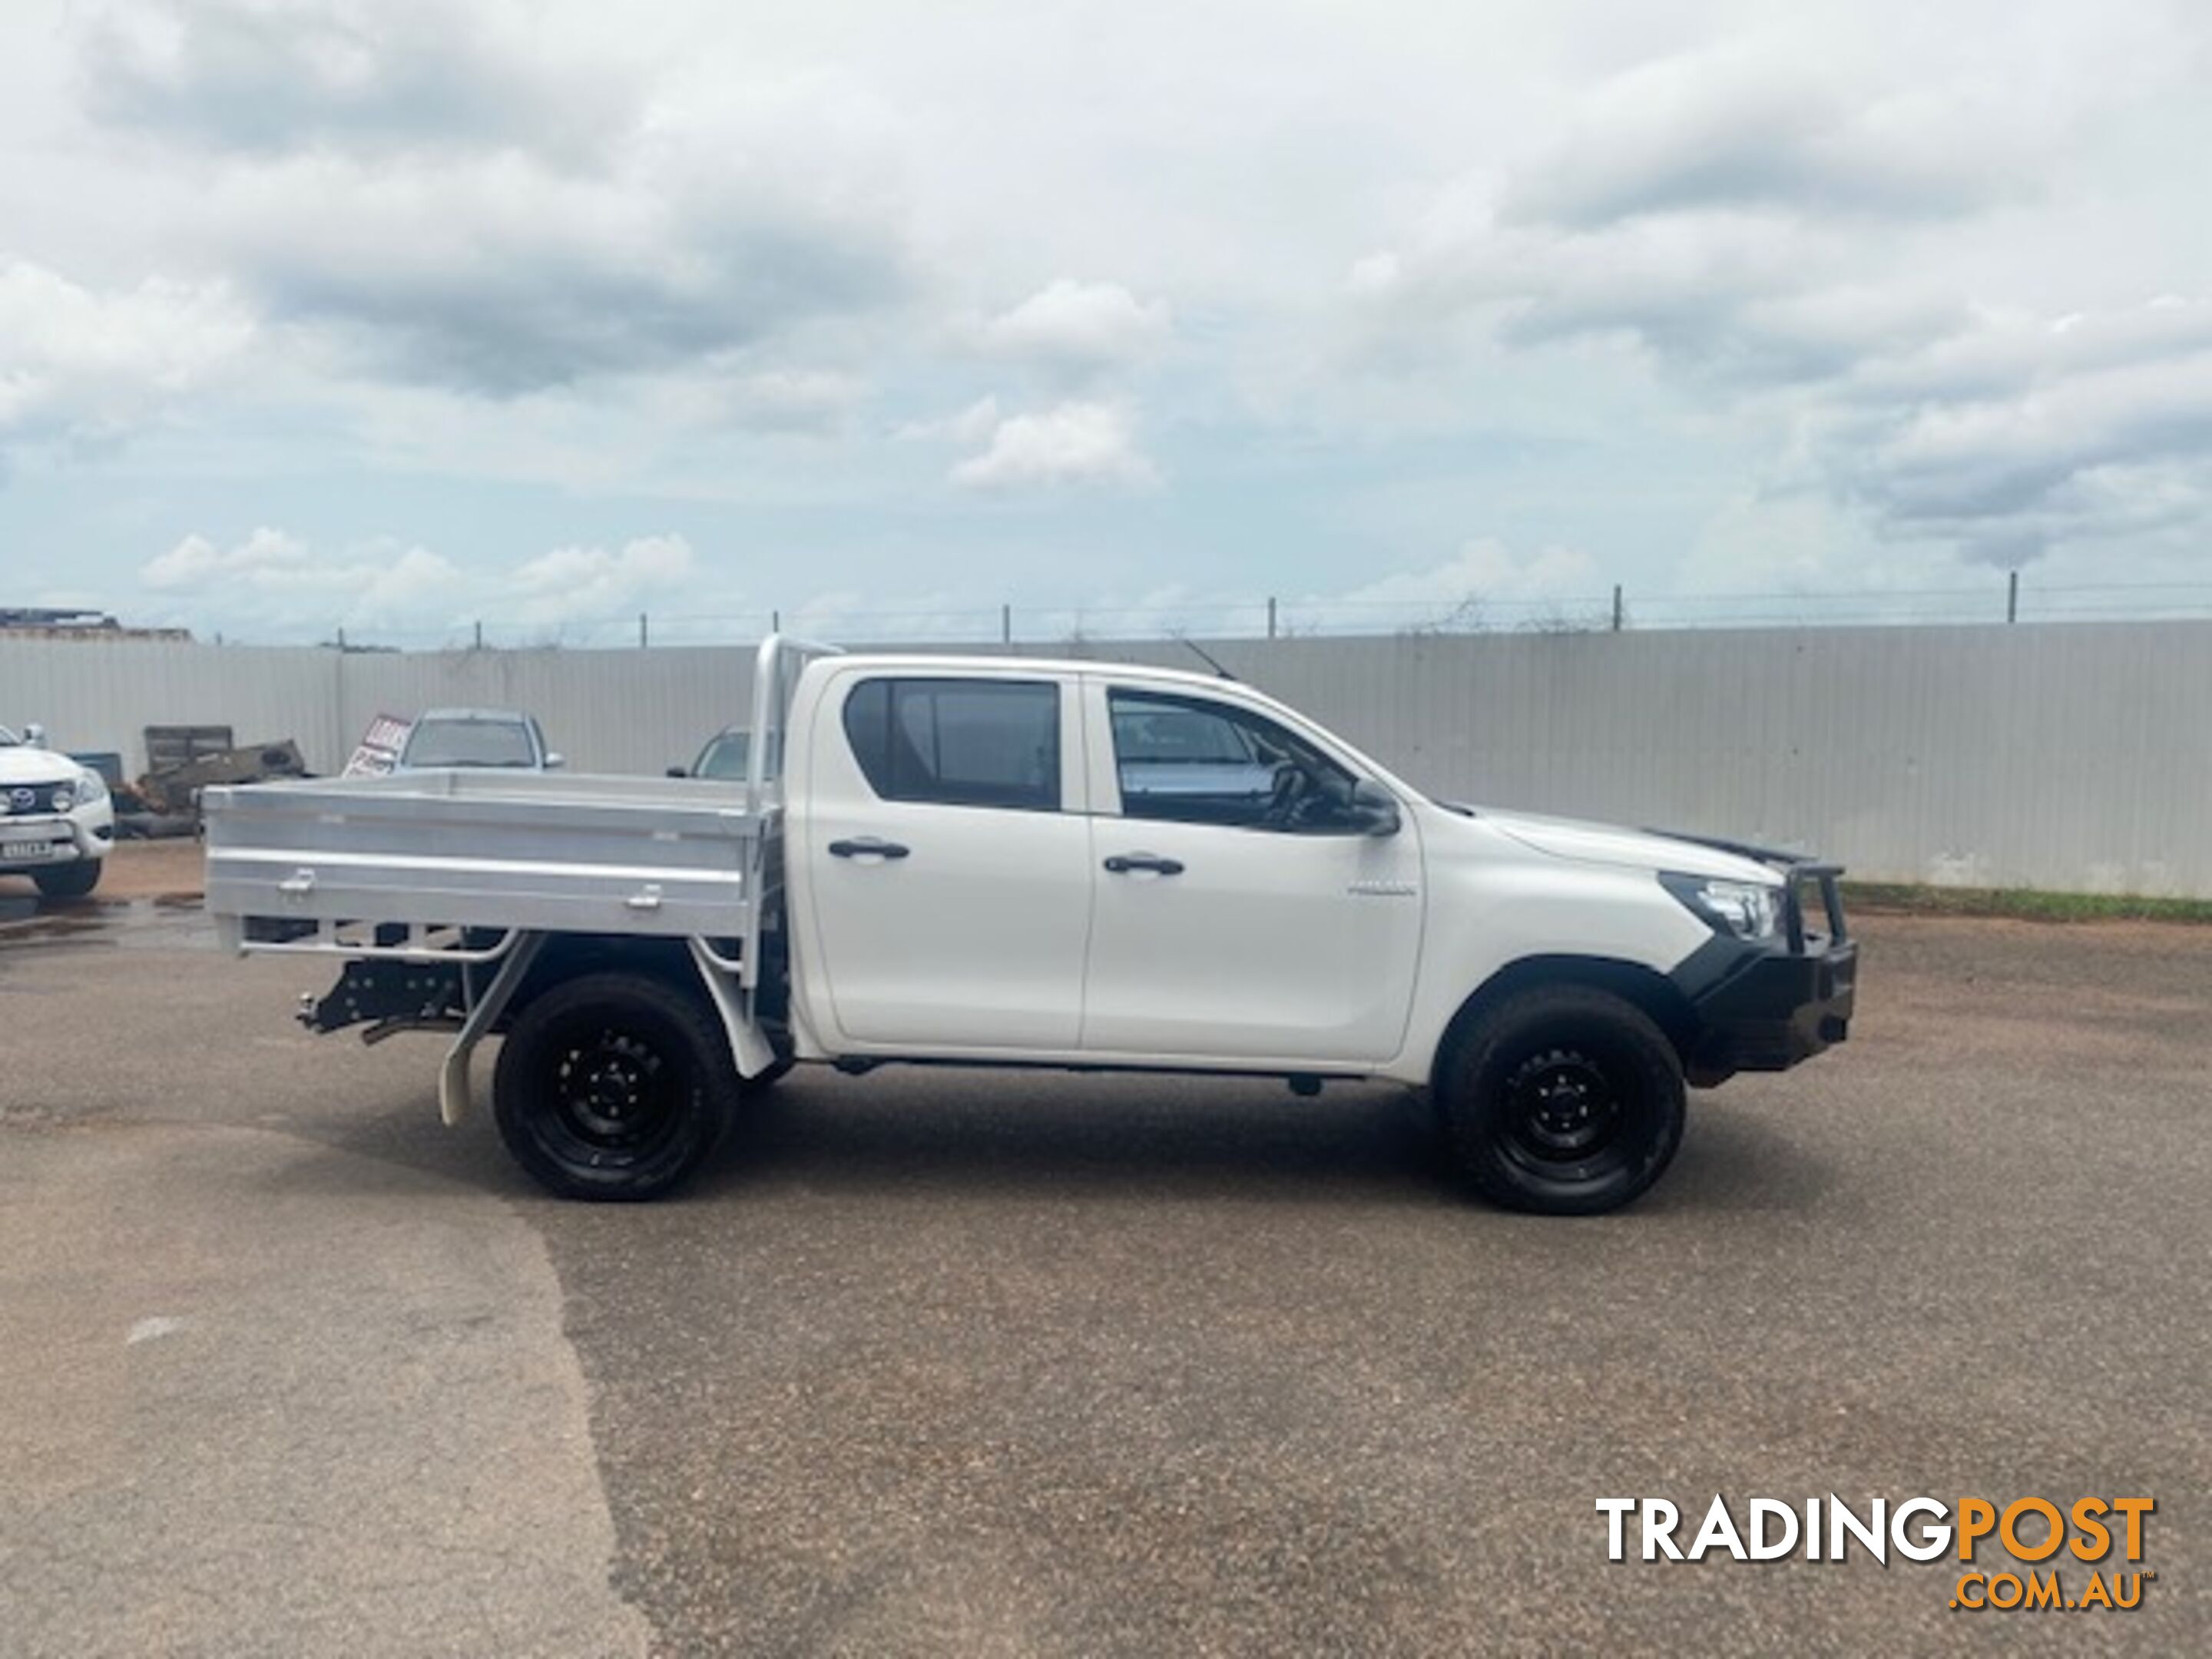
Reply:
x=1289, y=793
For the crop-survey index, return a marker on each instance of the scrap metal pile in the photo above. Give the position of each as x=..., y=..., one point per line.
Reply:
x=183, y=761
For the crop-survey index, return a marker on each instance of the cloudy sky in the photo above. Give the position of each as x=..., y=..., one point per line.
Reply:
x=398, y=314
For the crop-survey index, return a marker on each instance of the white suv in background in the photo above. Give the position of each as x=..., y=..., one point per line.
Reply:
x=56, y=820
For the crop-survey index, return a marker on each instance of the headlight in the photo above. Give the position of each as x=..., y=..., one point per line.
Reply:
x=1742, y=909
x=89, y=787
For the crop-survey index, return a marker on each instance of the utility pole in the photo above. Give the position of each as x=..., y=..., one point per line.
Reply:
x=641, y=630
x=1005, y=625
x=1616, y=607
x=479, y=635
x=2011, y=596
x=1271, y=616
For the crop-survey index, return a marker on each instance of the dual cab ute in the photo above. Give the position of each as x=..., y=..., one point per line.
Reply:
x=1061, y=864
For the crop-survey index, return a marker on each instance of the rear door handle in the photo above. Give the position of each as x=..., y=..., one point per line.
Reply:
x=864, y=847
x=1121, y=863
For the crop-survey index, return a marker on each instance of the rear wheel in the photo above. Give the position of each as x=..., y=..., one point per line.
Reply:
x=1563, y=1099
x=69, y=880
x=613, y=1087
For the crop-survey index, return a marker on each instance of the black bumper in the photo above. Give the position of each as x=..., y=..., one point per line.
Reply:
x=1771, y=1010
x=1765, y=1005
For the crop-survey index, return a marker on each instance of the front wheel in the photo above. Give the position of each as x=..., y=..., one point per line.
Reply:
x=613, y=1087
x=68, y=881
x=1563, y=1099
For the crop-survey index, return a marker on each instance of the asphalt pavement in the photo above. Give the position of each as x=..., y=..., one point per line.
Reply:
x=964, y=1363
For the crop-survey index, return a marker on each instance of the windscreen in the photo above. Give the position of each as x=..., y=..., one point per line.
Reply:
x=469, y=742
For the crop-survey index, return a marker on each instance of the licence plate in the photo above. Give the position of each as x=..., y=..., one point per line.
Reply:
x=25, y=849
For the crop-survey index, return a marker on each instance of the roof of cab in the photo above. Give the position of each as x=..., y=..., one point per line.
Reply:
x=938, y=662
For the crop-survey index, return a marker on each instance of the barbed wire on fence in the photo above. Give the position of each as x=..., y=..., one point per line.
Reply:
x=1010, y=622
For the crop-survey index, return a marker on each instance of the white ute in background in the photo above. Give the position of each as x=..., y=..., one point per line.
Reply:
x=1060, y=865
x=57, y=822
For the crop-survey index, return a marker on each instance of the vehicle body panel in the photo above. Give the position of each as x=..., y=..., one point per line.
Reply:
x=1300, y=947
x=502, y=848
x=973, y=938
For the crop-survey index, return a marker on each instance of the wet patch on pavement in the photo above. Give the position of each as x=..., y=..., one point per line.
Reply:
x=169, y=920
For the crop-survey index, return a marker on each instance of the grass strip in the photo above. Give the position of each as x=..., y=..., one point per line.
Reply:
x=2018, y=903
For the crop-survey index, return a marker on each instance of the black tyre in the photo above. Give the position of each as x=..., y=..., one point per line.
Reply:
x=1562, y=1099
x=69, y=880
x=613, y=1087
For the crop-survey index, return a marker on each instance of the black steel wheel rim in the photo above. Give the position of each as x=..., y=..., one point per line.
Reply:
x=1565, y=1113
x=614, y=1090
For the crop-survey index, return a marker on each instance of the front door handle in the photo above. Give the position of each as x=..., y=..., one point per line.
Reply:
x=866, y=846
x=1121, y=863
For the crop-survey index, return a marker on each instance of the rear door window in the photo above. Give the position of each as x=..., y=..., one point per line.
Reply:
x=959, y=743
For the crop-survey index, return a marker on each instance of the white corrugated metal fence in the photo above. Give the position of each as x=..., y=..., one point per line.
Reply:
x=2069, y=756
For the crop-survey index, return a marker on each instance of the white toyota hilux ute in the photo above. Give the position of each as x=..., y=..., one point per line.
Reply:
x=57, y=822
x=1054, y=864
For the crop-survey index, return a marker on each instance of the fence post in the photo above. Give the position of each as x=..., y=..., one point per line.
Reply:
x=1271, y=616
x=2011, y=596
x=1616, y=607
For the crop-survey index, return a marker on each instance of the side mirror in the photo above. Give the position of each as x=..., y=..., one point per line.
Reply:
x=678, y=772
x=35, y=735
x=1373, y=809
x=554, y=762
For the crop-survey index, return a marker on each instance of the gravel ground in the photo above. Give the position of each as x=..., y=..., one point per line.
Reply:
x=938, y=1362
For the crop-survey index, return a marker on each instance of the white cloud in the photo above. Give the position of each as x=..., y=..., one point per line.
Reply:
x=572, y=583
x=257, y=76
x=477, y=198
x=402, y=587
x=496, y=274
x=195, y=562
x=274, y=578
x=77, y=364
x=1080, y=325
x=1753, y=123
x=1073, y=443
x=1777, y=236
